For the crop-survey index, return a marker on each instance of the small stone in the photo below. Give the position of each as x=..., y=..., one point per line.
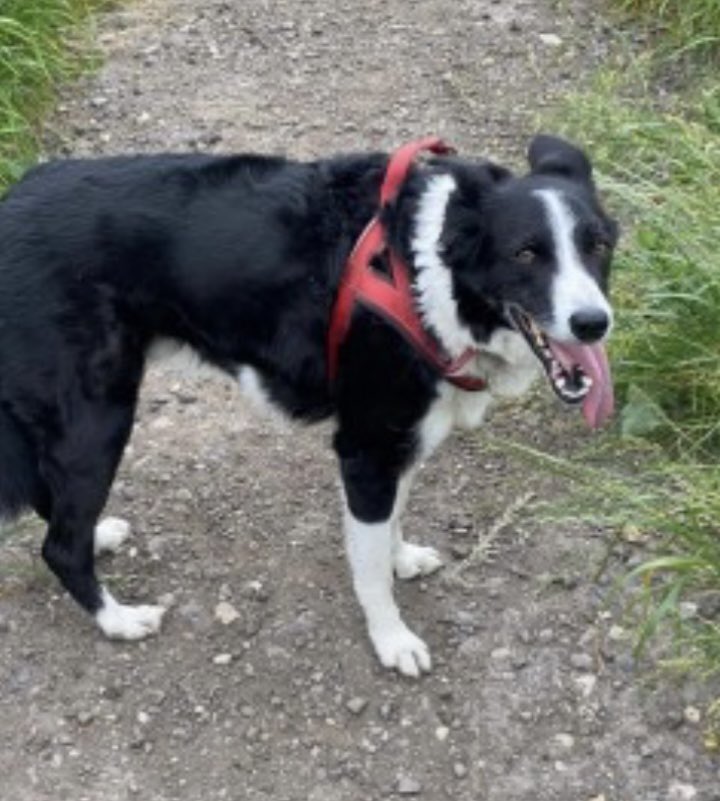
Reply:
x=586, y=684
x=85, y=716
x=256, y=591
x=442, y=733
x=166, y=600
x=222, y=659
x=226, y=613
x=632, y=534
x=564, y=740
x=687, y=610
x=500, y=654
x=546, y=636
x=356, y=705
x=582, y=661
x=143, y=718
x=550, y=39
x=459, y=770
x=681, y=792
x=692, y=714
x=408, y=786
x=617, y=633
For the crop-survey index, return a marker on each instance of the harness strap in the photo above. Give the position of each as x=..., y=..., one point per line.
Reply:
x=391, y=297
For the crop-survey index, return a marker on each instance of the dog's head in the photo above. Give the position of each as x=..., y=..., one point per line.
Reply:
x=532, y=253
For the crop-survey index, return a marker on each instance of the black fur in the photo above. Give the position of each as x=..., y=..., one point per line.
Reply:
x=240, y=258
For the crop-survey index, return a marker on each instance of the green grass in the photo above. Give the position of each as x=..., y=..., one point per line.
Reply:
x=661, y=174
x=657, y=158
x=42, y=44
x=682, y=26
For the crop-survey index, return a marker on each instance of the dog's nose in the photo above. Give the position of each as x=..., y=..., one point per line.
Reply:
x=589, y=325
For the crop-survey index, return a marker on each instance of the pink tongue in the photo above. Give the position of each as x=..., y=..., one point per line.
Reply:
x=599, y=403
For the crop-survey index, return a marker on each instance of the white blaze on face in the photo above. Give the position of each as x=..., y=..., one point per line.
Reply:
x=574, y=289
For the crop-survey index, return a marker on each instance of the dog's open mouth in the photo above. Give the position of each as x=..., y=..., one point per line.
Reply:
x=577, y=373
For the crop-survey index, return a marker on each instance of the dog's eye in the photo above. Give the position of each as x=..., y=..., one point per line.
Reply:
x=525, y=256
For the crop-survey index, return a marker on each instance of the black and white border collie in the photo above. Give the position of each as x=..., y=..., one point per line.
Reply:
x=239, y=257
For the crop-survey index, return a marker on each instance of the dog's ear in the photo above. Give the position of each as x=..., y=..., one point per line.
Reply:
x=550, y=155
x=494, y=173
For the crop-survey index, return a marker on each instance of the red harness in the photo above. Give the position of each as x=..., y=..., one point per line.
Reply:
x=391, y=296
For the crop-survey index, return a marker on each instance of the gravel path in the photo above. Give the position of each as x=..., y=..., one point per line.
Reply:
x=262, y=684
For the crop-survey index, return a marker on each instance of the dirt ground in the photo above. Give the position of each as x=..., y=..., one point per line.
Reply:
x=275, y=694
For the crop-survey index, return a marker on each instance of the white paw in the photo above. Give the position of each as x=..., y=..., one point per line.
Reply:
x=410, y=561
x=110, y=534
x=122, y=622
x=397, y=647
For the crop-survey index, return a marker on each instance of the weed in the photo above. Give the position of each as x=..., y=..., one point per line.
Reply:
x=658, y=161
x=42, y=44
x=682, y=26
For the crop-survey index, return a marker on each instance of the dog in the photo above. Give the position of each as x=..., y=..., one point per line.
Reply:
x=242, y=258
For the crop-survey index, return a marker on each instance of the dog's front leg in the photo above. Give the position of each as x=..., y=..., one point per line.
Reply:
x=370, y=509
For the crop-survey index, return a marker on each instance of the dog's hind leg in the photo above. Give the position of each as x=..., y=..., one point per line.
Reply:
x=409, y=560
x=79, y=469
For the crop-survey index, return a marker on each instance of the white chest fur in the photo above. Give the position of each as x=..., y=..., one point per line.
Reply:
x=509, y=367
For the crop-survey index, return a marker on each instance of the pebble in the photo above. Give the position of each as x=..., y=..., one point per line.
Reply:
x=357, y=705
x=226, y=613
x=442, y=733
x=550, y=39
x=459, y=770
x=564, y=740
x=617, y=633
x=85, y=716
x=222, y=659
x=183, y=494
x=681, y=792
x=582, y=661
x=586, y=684
x=687, y=610
x=692, y=714
x=546, y=636
x=161, y=423
x=408, y=786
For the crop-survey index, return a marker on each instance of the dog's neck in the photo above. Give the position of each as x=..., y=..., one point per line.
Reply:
x=433, y=281
x=416, y=230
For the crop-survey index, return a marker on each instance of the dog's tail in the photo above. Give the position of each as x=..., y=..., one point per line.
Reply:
x=20, y=481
